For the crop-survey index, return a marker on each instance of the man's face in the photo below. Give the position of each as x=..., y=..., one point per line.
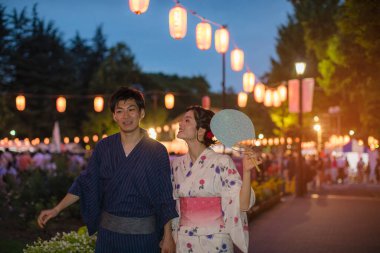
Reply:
x=128, y=116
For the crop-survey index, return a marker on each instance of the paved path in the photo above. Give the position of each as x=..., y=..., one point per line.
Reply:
x=339, y=220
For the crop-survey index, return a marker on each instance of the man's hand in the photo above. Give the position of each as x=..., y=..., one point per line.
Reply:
x=45, y=216
x=167, y=244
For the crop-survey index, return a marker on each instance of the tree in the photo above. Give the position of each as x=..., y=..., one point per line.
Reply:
x=304, y=38
x=350, y=67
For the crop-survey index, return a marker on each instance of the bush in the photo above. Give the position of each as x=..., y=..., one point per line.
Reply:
x=266, y=190
x=23, y=198
x=73, y=242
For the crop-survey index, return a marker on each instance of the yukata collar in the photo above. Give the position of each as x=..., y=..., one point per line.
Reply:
x=189, y=162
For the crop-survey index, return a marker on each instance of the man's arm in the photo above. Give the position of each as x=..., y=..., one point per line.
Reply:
x=168, y=245
x=46, y=215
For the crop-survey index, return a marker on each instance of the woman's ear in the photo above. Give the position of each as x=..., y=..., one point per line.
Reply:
x=201, y=133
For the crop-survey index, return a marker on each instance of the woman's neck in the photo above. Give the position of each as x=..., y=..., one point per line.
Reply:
x=195, y=150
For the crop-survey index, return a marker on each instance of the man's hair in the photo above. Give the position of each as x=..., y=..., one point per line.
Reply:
x=125, y=93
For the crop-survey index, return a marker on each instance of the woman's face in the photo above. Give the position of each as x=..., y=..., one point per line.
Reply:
x=188, y=127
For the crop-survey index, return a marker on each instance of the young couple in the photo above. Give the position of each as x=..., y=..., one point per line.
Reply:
x=126, y=193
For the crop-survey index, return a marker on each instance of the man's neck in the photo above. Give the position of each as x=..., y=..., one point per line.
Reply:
x=130, y=139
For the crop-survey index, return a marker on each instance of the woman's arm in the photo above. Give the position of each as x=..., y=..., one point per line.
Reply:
x=245, y=192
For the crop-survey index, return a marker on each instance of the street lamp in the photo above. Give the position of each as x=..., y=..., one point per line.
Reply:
x=300, y=69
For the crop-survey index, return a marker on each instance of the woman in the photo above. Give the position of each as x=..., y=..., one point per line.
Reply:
x=210, y=195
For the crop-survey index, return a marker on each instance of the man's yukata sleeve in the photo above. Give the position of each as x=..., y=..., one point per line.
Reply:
x=163, y=192
x=87, y=187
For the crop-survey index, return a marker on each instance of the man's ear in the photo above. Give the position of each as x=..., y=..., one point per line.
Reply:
x=114, y=116
x=142, y=114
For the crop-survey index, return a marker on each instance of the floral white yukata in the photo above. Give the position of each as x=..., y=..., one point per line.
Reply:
x=212, y=175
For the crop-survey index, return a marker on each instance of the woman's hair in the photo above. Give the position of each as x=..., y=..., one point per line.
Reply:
x=203, y=118
x=125, y=93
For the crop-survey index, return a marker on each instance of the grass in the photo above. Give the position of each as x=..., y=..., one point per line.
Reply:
x=11, y=246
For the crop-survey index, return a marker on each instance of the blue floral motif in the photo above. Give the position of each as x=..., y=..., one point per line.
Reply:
x=217, y=169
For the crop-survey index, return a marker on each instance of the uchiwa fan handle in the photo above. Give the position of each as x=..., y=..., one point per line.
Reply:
x=252, y=155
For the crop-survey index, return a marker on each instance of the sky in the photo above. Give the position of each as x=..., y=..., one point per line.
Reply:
x=253, y=27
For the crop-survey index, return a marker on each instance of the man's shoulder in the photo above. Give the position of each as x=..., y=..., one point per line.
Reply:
x=154, y=145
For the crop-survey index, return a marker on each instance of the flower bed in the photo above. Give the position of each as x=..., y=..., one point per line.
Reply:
x=65, y=242
x=267, y=194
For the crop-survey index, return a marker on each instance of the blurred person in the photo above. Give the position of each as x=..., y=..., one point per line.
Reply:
x=211, y=197
x=125, y=193
x=334, y=170
x=360, y=168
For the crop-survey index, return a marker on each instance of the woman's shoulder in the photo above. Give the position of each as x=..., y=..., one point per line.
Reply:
x=177, y=159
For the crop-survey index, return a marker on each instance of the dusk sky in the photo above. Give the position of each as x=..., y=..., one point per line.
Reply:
x=252, y=24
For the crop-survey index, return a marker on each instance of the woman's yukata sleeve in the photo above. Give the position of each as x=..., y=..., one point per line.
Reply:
x=162, y=191
x=235, y=220
x=87, y=187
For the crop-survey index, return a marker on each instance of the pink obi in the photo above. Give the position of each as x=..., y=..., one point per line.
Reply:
x=201, y=212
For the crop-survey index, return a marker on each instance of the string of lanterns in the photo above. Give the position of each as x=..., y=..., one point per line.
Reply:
x=61, y=102
x=203, y=31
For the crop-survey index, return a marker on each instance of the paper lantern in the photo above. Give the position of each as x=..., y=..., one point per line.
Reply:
x=283, y=91
x=237, y=59
x=222, y=39
x=86, y=139
x=138, y=6
x=98, y=104
x=61, y=104
x=259, y=92
x=203, y=35
x=206, y=102
x=268, y=99
x=95, y=138
x=178, y=22
x=66, y=140
x=248, y=81
x=20, y=102
x=242, y=99
x=169, y=101
x=276, y=98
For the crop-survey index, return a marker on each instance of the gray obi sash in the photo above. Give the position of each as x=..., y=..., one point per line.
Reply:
x=128, y=225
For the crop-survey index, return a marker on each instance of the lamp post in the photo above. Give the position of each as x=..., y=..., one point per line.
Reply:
x=300, y=189
x=222, y=38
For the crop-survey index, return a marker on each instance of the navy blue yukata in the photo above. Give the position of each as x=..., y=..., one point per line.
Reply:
x=137, y=185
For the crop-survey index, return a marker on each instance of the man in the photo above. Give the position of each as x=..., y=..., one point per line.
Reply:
x=125, y=192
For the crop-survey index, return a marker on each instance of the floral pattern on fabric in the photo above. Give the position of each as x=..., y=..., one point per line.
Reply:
x=211, y=175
